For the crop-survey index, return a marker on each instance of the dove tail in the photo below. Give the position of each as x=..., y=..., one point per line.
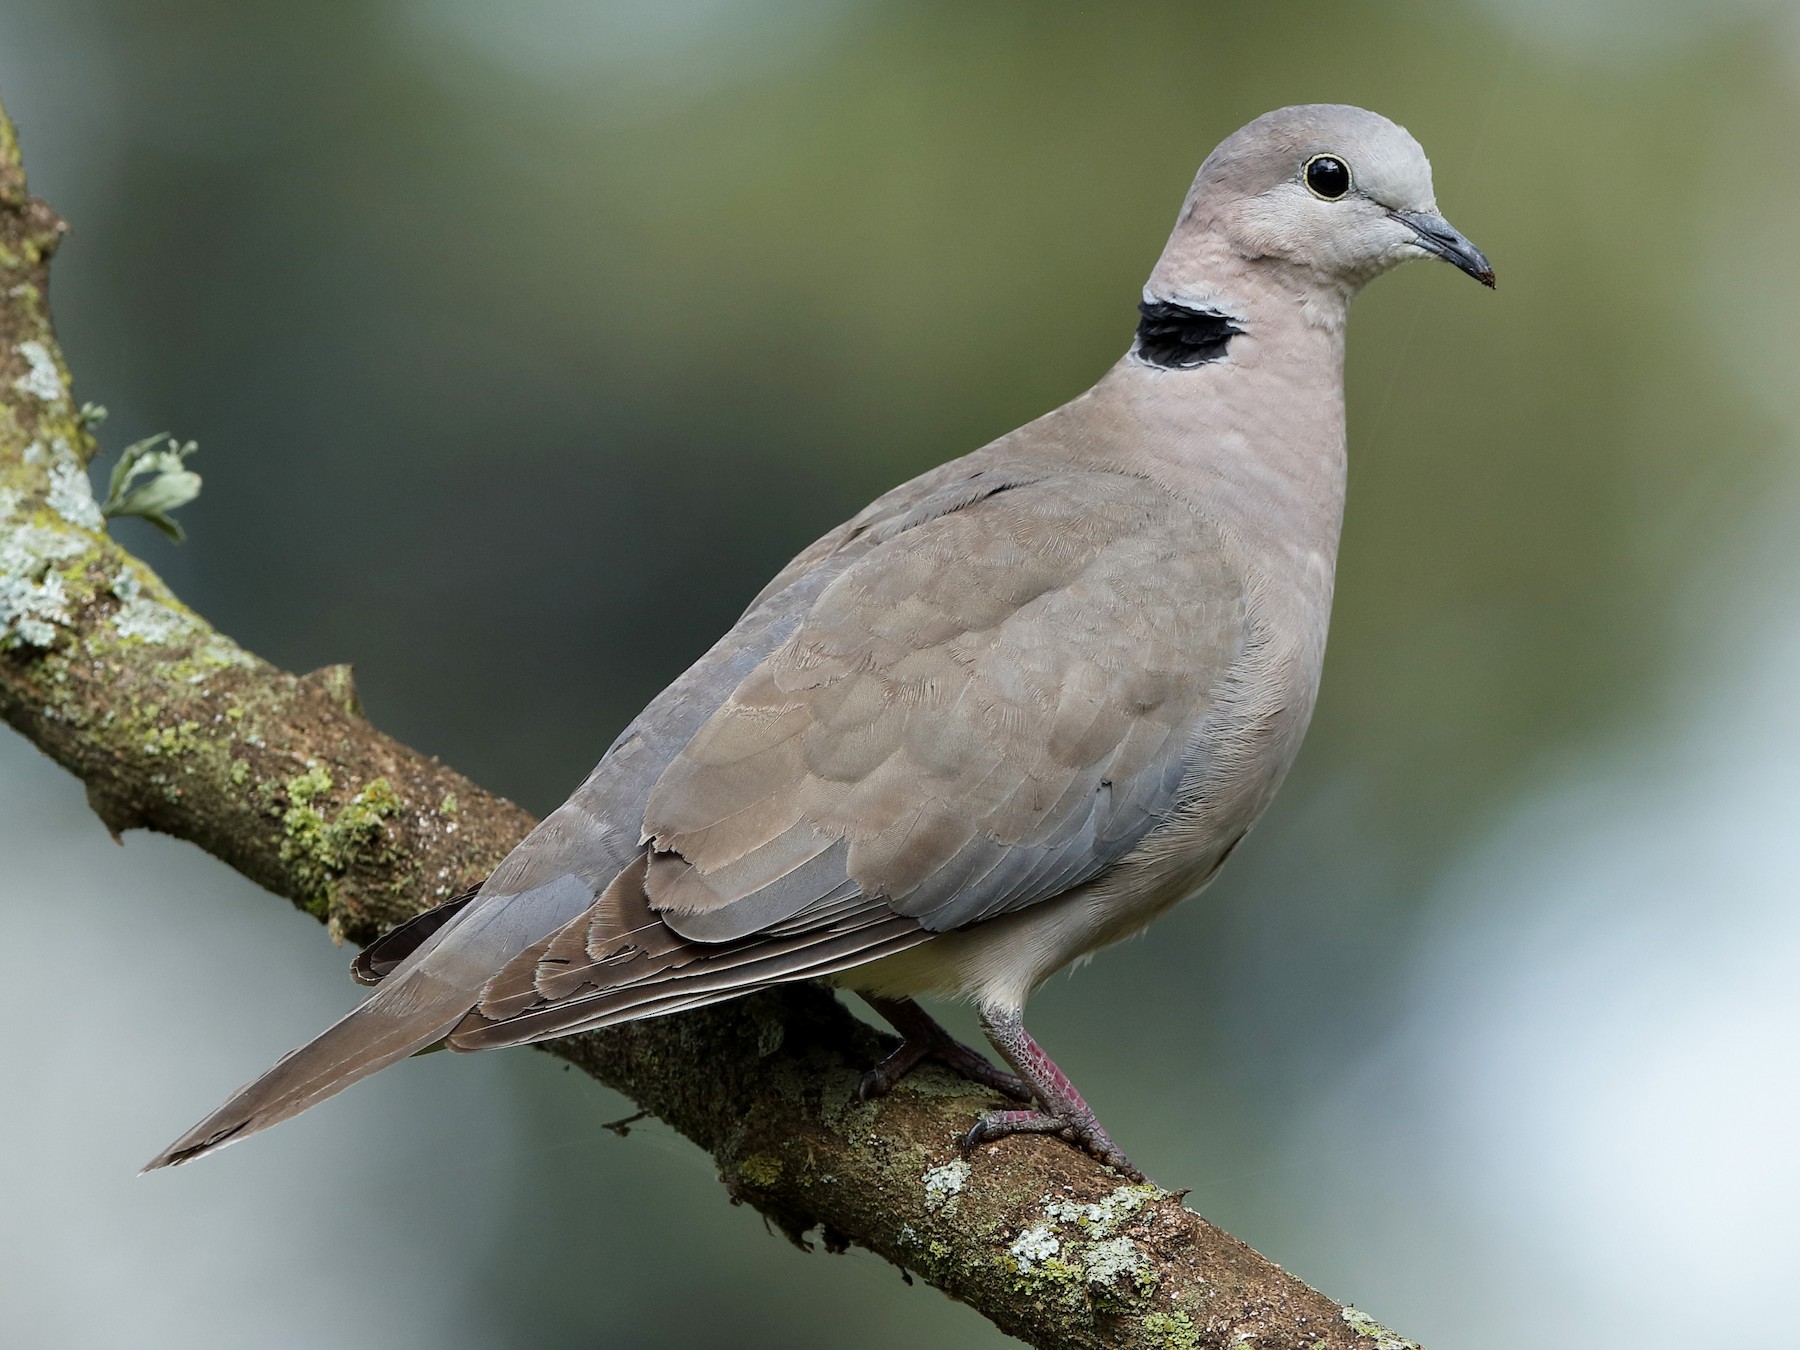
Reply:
x=431, y=973
x=398, y=1021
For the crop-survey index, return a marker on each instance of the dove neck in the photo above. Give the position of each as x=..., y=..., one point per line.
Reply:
x=1254, y=439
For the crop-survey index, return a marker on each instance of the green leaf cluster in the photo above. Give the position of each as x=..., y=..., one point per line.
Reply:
x=161, y=461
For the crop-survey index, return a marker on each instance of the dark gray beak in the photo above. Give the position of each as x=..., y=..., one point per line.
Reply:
x=1437, y=235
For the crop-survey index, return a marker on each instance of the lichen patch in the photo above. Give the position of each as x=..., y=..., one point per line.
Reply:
x=41, y=379
x=71, y=496
x=1112, y=1260
x=1033, y=1247
x=1176, y=1331
x=1103, y=1217
x=942, y=1184
x=1368, y=1328
x=320, y=848
x=34, y=599
x=144, y=619
x=30, y=611
x=761, y=1169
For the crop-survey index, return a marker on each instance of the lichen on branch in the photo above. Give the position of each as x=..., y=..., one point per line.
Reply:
x=172, y=726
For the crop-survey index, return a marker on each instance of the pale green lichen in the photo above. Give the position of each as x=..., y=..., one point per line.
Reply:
x=1102, y=1218
x=41, y=379
x=30, y=611
x=1365, y=1326
x=1175, y=1331
x=448, y=806
x=31, y=545
x=1033, y=1247
x=47, y=573
x=146, y=621
x=71, y=496
x=1086, y=1259
x=1113, y=1259
x=144, y=618
x=34, y=597
x=942, y=1184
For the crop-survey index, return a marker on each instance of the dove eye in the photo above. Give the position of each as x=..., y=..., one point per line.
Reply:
x=1327, y=176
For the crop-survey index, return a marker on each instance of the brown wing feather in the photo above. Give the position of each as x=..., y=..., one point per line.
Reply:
x=619, y=961
x=986, y=707
x=989, y=675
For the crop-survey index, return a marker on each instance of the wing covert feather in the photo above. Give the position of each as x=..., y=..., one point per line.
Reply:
x=974, y=697
x=1016, y=677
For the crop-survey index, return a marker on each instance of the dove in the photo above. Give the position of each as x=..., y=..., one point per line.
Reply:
x=1007, y=715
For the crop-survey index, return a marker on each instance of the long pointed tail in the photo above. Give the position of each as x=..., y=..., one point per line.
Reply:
x=398, y=1021
x=431, y=973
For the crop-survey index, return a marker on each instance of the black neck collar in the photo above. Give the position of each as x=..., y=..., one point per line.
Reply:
x=1179, y=337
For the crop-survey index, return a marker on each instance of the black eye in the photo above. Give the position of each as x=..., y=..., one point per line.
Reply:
x=1327, y=176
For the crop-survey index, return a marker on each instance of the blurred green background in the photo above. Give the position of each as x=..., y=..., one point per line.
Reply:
x=523, y=342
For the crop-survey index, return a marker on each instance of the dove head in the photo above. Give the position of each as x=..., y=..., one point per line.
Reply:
x=1325, y=197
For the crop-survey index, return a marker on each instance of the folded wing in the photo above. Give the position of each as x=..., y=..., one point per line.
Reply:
x=979, y=712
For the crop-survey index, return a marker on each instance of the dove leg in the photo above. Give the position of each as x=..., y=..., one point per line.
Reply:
x=1064, y=1114
x=922, y=1039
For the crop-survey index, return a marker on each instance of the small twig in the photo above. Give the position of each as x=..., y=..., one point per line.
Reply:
x=622, y=1128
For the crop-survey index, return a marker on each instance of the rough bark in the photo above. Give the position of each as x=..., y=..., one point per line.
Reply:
x=173, y=727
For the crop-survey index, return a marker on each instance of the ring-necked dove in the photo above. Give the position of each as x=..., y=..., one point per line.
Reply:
x=1010, y=713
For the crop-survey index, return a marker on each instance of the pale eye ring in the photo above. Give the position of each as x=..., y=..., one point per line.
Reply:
x=1326, y=176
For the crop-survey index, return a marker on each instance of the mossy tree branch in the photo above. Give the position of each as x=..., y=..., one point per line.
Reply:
x=173, y=727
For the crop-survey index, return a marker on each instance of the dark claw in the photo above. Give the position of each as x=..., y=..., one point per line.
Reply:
x=1082, y=1130
x=885, y=1076
x=998, y=1124
x=922, y=1039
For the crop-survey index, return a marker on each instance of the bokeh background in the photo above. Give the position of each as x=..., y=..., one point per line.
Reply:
x=522, y=342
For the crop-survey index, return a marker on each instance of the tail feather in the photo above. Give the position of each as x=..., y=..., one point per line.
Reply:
x=398, y=1021
x=431, y=975
x=385, y=954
